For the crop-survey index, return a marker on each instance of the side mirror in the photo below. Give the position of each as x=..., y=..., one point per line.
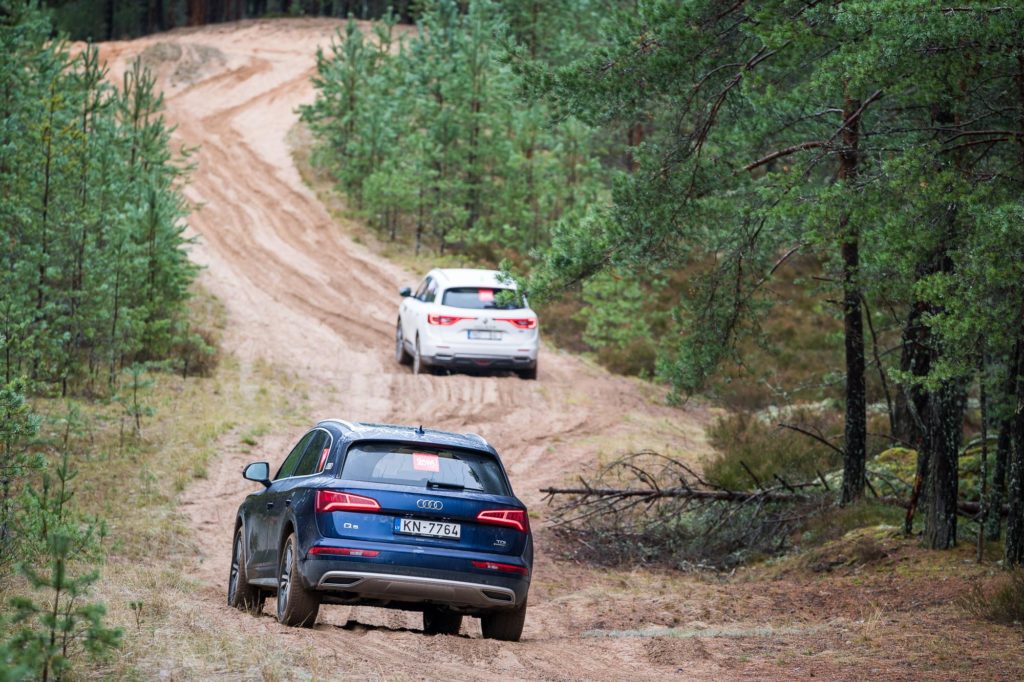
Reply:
x=405, y=291
x=259, y=472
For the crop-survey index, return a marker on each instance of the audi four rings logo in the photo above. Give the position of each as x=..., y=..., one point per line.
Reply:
x=436, y=505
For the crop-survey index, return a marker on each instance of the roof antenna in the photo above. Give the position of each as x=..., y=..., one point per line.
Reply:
x=419, y=429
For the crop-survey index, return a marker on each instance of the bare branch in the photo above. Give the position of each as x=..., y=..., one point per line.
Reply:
x=818, y=437
x=812, y=144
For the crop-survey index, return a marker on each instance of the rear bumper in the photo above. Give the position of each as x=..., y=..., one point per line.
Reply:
x=361, y=581
x=473, y=361
x=408, y=588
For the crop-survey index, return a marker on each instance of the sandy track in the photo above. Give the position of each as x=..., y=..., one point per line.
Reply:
x=303, y=296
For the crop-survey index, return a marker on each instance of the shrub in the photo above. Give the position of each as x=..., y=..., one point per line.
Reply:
x=744, y=441
x=1004, y=604
x=47, y=629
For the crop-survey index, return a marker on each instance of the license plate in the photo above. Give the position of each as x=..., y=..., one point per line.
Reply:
x=484, y=335
x=430, y=529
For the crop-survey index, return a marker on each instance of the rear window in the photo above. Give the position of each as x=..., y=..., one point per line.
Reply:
x=479, y=298
x=427, y=467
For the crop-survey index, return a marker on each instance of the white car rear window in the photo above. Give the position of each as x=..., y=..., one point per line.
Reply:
x=481, y=298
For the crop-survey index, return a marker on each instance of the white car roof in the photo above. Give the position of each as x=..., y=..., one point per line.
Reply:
x=469, y=277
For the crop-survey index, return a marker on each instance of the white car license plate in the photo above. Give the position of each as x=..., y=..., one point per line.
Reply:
x=430, y=529
x=484, y=335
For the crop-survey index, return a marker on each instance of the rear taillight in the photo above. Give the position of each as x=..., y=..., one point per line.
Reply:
x=446, y=320
x=332, y=500
x=495, y=566
x=514, y=518
x=344, y=551
x=519, y=322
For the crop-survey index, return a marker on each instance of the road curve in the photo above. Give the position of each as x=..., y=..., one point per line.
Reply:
x=302, y=296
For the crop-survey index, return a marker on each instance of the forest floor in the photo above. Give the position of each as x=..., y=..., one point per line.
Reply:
x=309, y=322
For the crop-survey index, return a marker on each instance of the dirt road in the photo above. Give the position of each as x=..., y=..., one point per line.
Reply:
x=302, y=296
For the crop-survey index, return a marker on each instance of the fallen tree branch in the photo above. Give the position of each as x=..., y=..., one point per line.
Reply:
x=686, y=493
x=648, y=507
x=764, y=495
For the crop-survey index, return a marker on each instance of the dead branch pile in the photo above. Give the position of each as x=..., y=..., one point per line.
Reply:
x=649, y=508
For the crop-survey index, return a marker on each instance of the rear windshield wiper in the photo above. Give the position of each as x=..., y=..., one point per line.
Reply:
x=446, y=486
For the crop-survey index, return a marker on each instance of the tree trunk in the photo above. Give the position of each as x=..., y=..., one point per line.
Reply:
x=945, y=428
x=855, y=452
x=196, y=12
x=634, y=137
x=472, y=171
x=1014, y=548
x=912, y=401
x=1004, y=446
x=108, y=11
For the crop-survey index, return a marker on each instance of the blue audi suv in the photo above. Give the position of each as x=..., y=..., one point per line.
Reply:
x=389, y=516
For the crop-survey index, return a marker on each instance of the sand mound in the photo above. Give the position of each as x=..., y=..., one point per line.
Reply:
x=181, y=64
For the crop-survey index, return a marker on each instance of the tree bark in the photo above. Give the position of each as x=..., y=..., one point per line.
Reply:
x=855, y=452
x=634, y=138
x=196, y=12
x=1004, y=446
x=912, y=401
x=945, y=428
x=1014, y=547
x=108, y=10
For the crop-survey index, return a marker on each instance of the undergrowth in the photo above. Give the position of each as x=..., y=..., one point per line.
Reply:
x=1001, y=603
x=748, y=448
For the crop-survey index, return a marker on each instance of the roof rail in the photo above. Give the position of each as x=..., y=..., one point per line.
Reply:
x=478, y=437
x=347, y=424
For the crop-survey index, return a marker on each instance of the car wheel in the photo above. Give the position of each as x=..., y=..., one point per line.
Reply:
x=417, y=360
x=529, y=374
x=295, y=604
x=441, y=622
x=504, y=625
x=401, y=354
x=242, y=595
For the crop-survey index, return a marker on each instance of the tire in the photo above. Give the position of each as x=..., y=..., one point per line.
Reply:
x=242, y=595
x=418, y=366
x=402, y=356
x=441, y=622
x=504, y=625
x=528, y=374
x=296, y=606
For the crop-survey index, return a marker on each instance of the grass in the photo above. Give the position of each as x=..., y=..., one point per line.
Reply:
x=1002, y=602
x=168, y=636
x=134, y=482
x=749, y=448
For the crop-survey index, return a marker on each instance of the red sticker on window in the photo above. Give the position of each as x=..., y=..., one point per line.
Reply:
x=485, y=295
x=323, y=458
x=424, y=461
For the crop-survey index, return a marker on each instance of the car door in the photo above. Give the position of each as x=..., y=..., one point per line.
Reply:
x=412, y=311
x=264, y=554
x=282, y=492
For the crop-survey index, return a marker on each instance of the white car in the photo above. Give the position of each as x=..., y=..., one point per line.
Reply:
x=466, y=319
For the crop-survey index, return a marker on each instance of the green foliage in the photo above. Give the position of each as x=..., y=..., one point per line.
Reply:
x=94, y=270
x=134, y=406
x=17, y=462
x=747, y=445
x=47, y=629
x=428, y=138
x=762, y=86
